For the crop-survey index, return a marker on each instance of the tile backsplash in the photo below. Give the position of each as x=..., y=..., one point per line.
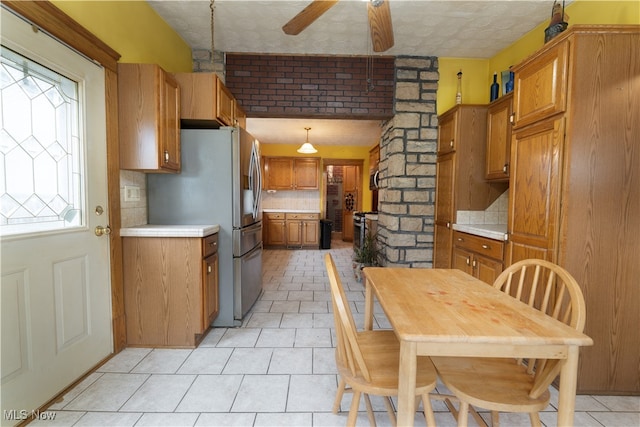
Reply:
x=494, y=214
x=297, y=200
x=133, y=213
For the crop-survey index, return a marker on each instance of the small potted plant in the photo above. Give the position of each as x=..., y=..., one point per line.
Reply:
x=367, y=255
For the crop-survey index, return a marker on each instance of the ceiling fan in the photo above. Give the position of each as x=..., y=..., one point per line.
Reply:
x=379, y=21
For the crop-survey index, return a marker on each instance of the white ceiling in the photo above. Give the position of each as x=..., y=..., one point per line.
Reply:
x=323, y=131
x=443, y=28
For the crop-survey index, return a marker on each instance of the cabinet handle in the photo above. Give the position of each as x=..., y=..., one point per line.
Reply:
x=209, y=269
x=485, y=246
x=451, y=143
x=448, y=225
x=468, y=261
x=166, y=156
x=213, y=243
x=505, y=168
x=474, y=263
x=512, y=118
x=460, y=239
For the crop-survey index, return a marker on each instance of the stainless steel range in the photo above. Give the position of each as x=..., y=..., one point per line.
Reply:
x=363, y=223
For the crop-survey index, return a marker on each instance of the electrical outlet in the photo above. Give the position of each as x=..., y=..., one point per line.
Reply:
x=131, y=193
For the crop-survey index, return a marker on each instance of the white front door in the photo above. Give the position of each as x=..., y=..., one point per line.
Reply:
x=56, y=300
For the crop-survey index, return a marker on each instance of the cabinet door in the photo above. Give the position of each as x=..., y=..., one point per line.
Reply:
x=225, y=110
x=540, y=89
x=307, y=175
x=279, y=173
x=462, y=260
x=499, y=138
x=447, y=129
x=534, y=191
x=442, y=245
x=310, y=235
x=276, y=232
x=445, y=173
x=294, y=233
x=210, y=290
x=169, y=123
x=486, y=269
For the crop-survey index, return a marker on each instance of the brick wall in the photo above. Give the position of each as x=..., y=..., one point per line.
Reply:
x=408, y=166
x=312, y=86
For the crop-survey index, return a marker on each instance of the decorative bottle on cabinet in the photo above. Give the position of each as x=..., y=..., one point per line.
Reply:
x=495, y=88
x=459, y=90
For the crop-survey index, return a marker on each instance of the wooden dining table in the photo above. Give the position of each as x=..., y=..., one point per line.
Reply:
x=442, y=312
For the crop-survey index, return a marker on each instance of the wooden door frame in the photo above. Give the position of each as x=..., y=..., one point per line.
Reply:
x=47, y=17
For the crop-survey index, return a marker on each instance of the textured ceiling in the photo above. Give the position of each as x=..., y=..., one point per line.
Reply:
x=443, y=28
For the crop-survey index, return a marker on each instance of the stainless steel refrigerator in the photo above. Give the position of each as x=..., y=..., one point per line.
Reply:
x=220, y=183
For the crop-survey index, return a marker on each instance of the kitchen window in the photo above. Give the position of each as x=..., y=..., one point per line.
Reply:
x=41, y=157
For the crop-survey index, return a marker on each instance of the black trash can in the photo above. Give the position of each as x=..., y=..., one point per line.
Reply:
x=325, y=233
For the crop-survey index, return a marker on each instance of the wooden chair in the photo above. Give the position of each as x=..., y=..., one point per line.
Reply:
x=368, y=361
x=508, y=385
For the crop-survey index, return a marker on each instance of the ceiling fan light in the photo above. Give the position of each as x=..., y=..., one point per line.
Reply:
x=307, y=148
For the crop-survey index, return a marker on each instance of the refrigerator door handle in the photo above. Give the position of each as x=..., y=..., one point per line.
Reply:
x=255, y=179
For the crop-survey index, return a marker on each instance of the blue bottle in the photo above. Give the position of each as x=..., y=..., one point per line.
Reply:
x=495, y=88
x=509, y=85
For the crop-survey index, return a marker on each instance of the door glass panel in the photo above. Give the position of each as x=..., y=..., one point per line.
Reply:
x=41, y=168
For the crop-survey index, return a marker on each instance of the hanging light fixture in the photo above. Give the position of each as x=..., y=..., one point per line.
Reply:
x=307, y=148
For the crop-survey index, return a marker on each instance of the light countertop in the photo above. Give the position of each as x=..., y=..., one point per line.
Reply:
x=291, y=211
x=490, y=231
x=153, y=230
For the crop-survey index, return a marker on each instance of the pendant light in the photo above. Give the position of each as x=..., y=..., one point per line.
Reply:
x=307, y=148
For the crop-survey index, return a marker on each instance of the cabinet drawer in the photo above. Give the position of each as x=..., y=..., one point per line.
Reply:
x=272, y=216
x=487, y=247
x=303, y=216
x=209, y=245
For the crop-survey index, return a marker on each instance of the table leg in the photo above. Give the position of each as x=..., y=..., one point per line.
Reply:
x=567, y=392
x=407, y=383
x=368, y=306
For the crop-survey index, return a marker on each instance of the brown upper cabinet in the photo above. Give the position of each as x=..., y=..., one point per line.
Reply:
x=460, y=177
x=499, y=138
x=292, y=173
x=447, y=133
x=542, y=86
x=204, y=98
x=149, y=118
x=240, y=115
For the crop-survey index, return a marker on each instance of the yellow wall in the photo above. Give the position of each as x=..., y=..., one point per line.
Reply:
x=478, y=73
x=578, y=12
x=329, y=152
x=133, y=29
x=474, y=88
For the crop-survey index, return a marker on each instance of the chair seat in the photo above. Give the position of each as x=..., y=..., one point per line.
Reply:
x=381, y=351
x=497, y=384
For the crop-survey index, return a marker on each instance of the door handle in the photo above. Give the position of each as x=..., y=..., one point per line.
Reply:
x=101, y=231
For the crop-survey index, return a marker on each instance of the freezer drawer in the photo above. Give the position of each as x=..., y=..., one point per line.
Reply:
x=247, y=281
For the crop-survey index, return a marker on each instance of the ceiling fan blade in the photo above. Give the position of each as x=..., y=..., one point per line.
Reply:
x=380, y=23
x=306, y=17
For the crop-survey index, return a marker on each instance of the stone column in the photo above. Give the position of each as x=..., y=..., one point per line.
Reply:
x=408, y=166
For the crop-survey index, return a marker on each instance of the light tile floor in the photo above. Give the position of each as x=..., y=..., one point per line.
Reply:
x=278, y=369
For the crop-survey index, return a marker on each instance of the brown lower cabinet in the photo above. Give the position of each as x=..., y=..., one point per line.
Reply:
x=294, y=230
x=170, y=289
x=479, y=256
